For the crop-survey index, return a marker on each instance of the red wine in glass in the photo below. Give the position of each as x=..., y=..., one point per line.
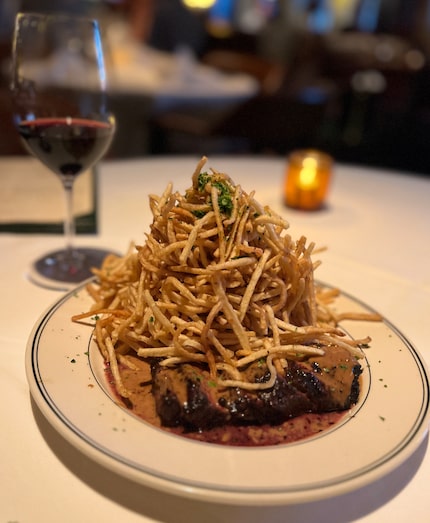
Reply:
x=61, y=111
x=67, y=146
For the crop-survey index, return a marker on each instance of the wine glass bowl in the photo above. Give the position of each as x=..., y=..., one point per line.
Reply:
x=61, y=112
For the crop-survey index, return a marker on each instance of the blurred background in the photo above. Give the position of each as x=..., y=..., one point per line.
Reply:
x=350, y=77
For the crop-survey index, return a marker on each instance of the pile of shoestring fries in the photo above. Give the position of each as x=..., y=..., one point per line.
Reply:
x=218, y=283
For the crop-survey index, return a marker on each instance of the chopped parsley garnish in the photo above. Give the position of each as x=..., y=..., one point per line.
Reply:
x=224, y=198
x=199, y=214
x=203, y=179
x=225, y=192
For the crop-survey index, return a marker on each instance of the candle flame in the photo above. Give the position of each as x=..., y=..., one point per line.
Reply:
x=308, y=177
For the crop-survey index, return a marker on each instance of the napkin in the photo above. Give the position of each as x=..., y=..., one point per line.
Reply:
x=32, y=199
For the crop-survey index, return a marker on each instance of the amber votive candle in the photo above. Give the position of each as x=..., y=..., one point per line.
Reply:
x=307, y=179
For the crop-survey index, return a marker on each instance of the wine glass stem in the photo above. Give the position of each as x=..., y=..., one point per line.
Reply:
x=69, y=221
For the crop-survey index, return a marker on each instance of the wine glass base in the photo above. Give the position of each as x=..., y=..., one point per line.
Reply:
x=57, y=271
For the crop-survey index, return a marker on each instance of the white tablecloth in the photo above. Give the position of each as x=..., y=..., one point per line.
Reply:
x=376, y=228
x=167, y=78
x=178, y=78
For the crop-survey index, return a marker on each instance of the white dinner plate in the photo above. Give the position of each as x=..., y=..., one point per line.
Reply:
x=66, y=376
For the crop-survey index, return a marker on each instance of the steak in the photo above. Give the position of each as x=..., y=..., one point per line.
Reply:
x=185, y=396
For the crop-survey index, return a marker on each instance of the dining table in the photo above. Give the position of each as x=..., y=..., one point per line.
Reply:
x=373, y=235
x=147, y=84
x=170, y=78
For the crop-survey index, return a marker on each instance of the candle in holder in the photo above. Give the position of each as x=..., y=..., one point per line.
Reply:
x=307, y=179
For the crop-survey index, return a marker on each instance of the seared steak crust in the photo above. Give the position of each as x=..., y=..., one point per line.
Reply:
x=185, y=396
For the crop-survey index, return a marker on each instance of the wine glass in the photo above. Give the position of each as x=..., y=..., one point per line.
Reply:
x=60, y=107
